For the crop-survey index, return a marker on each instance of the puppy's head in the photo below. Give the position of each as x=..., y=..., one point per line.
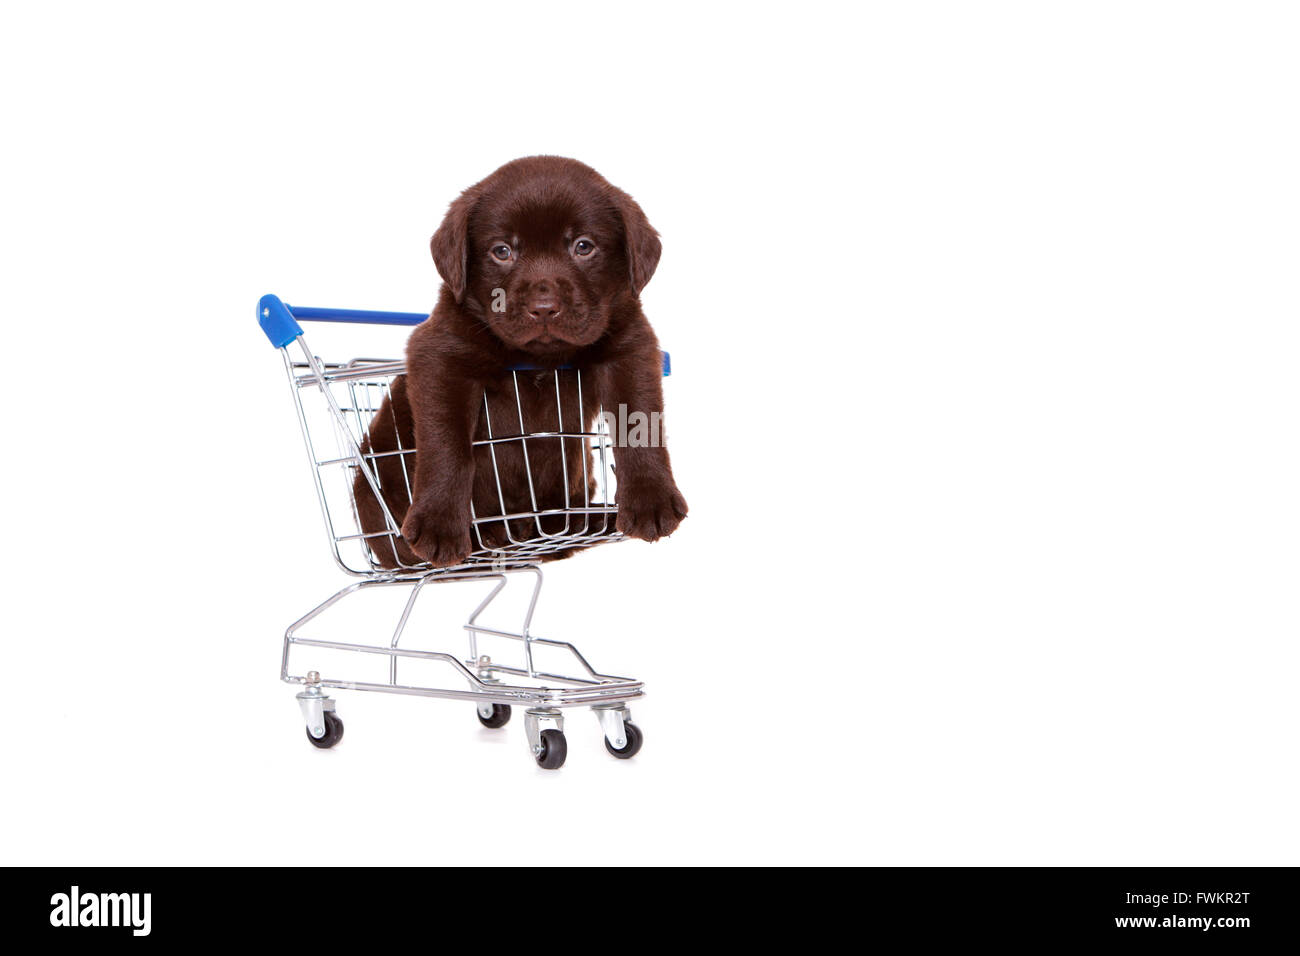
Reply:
x=542, y=250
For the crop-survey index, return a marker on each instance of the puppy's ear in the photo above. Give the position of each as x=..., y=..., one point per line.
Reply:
x=643, y=246
x=450, y=244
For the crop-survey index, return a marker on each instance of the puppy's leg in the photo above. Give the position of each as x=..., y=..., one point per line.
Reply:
x=390, y=431
x=649, y=505
x=371, y=516
x=445, y=406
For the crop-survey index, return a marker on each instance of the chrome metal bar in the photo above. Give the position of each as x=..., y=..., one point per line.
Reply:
x=552, y=697
x=560, y=434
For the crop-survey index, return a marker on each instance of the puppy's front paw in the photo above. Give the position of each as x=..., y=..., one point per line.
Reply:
x=649, y=510
x=437, y=535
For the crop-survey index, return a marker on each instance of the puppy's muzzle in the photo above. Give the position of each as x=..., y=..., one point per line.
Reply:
x=543, y=303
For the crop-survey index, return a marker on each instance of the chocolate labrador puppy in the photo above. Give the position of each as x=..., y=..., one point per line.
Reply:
x=542, y=264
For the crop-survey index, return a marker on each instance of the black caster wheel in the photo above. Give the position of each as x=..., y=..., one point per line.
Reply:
x=500, y=716
x=554, y=750
x=634, y=739
x=333, y=732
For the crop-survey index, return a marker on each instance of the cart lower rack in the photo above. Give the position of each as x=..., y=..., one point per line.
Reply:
x=338, y=405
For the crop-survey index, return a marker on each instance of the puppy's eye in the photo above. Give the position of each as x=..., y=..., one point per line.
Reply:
x=583, y=248
x=502, y=252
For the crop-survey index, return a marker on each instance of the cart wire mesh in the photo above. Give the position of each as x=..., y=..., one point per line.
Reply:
x=358, y=449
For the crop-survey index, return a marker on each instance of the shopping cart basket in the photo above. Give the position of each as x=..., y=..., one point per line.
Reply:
x=337, y=403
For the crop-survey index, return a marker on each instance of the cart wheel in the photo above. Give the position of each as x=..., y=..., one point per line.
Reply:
x=554, y=750
x=333, y=732
x=633, y=734
x=500, y=716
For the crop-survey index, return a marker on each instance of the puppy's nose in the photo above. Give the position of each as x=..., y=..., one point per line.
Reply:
x=543, y=307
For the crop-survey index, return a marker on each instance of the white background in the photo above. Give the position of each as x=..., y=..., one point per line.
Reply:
x=984, y=328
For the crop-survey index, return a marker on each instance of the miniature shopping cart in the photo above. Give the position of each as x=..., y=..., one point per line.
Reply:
x=337, y=403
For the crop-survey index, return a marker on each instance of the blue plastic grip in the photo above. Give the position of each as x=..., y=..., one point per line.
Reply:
x=359, y=316
x=277, y=321
x=281, y=324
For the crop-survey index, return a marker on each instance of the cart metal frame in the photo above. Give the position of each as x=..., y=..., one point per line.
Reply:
x=345, y=396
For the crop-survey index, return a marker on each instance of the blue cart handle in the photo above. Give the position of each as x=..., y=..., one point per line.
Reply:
x=280, y=322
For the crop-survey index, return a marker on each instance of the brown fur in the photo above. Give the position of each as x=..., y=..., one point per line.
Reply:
x=563, y=308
